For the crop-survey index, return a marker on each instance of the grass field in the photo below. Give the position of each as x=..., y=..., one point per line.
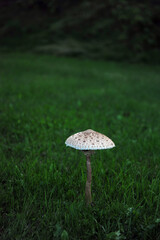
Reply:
x=45, y=99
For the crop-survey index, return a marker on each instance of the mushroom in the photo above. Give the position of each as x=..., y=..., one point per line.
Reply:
x=88, y=141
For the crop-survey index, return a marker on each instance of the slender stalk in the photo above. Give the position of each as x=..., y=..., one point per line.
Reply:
x=89, y=180
x=88, y=194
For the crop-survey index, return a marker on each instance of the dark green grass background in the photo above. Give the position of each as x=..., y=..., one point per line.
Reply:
x=45, y=99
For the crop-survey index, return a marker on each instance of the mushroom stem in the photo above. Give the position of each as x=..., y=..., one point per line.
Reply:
x=88, y=182
x=89, y=177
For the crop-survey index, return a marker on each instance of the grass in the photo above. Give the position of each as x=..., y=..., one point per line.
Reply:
x=45, y=99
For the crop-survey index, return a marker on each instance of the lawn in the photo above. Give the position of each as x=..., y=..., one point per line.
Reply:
x=45, y=99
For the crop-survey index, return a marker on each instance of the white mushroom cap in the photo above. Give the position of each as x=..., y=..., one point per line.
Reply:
x=89, y=140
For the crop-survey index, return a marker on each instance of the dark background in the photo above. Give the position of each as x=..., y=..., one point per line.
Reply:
x=113, y=30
